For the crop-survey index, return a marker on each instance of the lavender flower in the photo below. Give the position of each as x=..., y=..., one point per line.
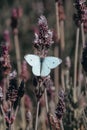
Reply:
x=84, y=16
x=84, y=58
x=60, y=106
x=5, y=60
x=43, y=39
x=39, y=88
x=54, y=122
x=47, y=82
x=12, y=92
x=14, y=19
x=40, y=84
x=15, y=15
x=79, y=5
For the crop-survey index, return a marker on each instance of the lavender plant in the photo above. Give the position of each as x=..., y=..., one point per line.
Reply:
x=60, y=109
x=13, y=97
x=42, y=43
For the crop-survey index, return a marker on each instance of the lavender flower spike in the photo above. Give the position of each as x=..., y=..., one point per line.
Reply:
x=60, y=106
x=43, y=37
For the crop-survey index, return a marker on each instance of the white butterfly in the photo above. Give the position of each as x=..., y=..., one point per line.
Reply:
x=42, y=66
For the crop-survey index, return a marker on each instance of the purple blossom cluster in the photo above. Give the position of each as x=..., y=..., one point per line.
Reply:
x=84, y=16
x=40, y=84
x=43, y=39
x=14, y=93
x=15, y=15
x=54, y=122
x=84, y=58
x=61, y=105
x=42, y=42
x=79, y=5
x=38, y=87
x=4, y=61
x=55, y=119
x=48, y=82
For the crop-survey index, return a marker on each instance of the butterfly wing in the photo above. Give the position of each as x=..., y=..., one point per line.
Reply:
x=34, y=61
x=52, y=62
x=48, y=64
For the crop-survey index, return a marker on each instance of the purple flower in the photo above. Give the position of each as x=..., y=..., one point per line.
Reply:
x=84, y=58
x=39, y=88
x=43, y=39
x=60, y=106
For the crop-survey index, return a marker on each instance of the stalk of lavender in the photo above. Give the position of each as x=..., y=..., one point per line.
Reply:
x=83, y=44
x=16, y=15
x=61, y=19
x=14, y=25
x=43, y=41
x=67, y=72
x=56, y=49
x=57, y=19
x=81, y=9
x=28, y=115
x=78, y=21
x=62, y=38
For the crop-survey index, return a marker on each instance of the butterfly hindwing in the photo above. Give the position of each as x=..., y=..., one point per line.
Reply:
x=34, y=61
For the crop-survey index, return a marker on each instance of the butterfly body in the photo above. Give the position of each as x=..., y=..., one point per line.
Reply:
x=42, y=66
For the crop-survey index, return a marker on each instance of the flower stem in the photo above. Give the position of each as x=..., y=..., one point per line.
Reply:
x=36, y=124
x=76, y=60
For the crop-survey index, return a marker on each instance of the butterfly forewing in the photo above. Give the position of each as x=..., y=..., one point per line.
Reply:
x=34, y=61
x=52, y=62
